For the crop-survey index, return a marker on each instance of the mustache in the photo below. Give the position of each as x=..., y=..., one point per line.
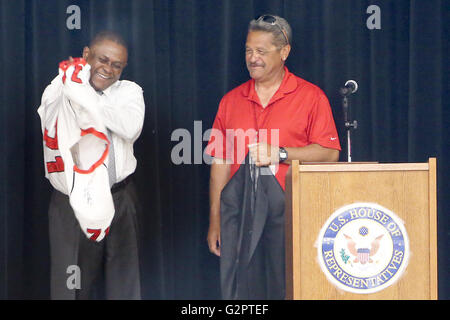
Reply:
x=252, y=65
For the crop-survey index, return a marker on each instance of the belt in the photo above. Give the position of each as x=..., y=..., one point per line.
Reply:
x=120, y=185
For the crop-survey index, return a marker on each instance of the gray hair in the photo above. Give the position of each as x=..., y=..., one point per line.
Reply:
x=279, y=38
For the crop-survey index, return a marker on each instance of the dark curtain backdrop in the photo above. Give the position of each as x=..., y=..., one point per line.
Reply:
x=187, y=55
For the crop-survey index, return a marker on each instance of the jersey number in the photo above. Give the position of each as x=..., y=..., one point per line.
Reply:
x=75, y=74
x=96, y=232
x=52, y=143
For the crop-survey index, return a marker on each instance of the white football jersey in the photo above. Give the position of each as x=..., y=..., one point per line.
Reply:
x=76, y=145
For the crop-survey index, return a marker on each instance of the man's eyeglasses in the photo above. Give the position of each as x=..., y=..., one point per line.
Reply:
x=273, y=21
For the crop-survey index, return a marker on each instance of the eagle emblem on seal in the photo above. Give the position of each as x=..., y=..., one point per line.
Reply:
x=363, y=253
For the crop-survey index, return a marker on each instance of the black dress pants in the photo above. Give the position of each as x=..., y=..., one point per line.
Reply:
x=84, y=269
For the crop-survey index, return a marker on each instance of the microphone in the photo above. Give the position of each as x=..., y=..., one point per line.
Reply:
x=350, y=87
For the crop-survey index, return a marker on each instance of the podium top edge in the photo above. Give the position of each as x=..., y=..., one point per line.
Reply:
x=362, y=166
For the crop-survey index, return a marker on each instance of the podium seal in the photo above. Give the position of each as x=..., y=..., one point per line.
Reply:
x=363, y=248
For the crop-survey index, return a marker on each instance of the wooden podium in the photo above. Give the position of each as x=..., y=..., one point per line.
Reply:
x=315, y=191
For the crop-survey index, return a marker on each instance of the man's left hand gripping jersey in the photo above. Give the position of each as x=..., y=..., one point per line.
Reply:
x=73, y=128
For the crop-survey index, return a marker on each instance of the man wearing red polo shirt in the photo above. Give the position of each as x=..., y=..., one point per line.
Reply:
x=275, y=117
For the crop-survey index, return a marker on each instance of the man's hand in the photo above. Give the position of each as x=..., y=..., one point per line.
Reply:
x=264, y=154
x=214, y=237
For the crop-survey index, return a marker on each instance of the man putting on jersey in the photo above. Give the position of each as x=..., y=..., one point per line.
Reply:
x=90, y=120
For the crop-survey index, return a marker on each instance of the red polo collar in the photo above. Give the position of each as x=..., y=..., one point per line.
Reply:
x=288, y=85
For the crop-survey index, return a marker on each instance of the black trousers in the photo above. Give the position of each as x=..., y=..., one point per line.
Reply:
x=84, y=269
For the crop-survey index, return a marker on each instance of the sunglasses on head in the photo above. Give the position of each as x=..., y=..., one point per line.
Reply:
x=272, y=21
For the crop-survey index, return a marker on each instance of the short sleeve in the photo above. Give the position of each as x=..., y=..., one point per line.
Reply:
x=321, y=125
x=217, y=144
